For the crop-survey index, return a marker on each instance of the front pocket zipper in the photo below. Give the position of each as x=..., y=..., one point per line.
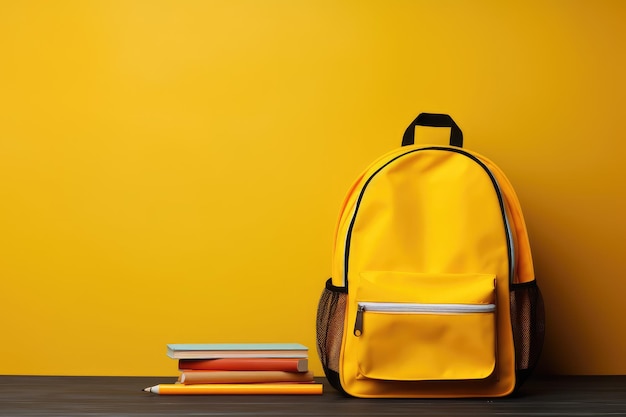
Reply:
x=417, y=308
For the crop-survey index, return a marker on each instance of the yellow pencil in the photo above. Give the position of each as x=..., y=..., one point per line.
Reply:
x=240, y=389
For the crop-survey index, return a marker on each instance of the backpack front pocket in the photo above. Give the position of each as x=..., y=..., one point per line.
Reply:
x=418, y=327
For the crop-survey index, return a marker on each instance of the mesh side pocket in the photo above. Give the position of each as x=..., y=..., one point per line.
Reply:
x=330, y=318
x=528, y=319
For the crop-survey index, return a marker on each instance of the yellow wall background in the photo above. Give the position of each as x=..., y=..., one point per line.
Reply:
x=171, y=171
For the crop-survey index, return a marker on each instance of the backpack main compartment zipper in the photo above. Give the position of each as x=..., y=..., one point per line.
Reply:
x=505, y=219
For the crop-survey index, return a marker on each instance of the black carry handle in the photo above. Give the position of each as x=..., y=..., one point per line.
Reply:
x=434, y=120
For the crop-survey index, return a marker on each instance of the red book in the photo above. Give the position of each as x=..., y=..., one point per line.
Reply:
x=245, y=364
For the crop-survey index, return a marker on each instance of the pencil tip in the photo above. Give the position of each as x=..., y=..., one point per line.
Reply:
x=146, y=390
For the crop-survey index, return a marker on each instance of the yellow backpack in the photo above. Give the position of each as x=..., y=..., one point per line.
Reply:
x=433, y=291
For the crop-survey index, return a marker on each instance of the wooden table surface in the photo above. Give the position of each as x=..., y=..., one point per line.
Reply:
x=123, y=396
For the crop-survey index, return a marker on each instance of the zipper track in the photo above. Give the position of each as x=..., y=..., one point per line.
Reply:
x=440, y=308
x=507, y=226
x=416, y=308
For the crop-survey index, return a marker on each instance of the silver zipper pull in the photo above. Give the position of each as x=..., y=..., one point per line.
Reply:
x=358, y=324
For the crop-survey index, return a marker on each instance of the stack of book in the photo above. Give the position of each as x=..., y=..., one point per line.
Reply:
x=244, y=368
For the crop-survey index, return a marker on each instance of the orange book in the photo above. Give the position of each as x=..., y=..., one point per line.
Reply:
x=243, y=377
x=245, y=364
